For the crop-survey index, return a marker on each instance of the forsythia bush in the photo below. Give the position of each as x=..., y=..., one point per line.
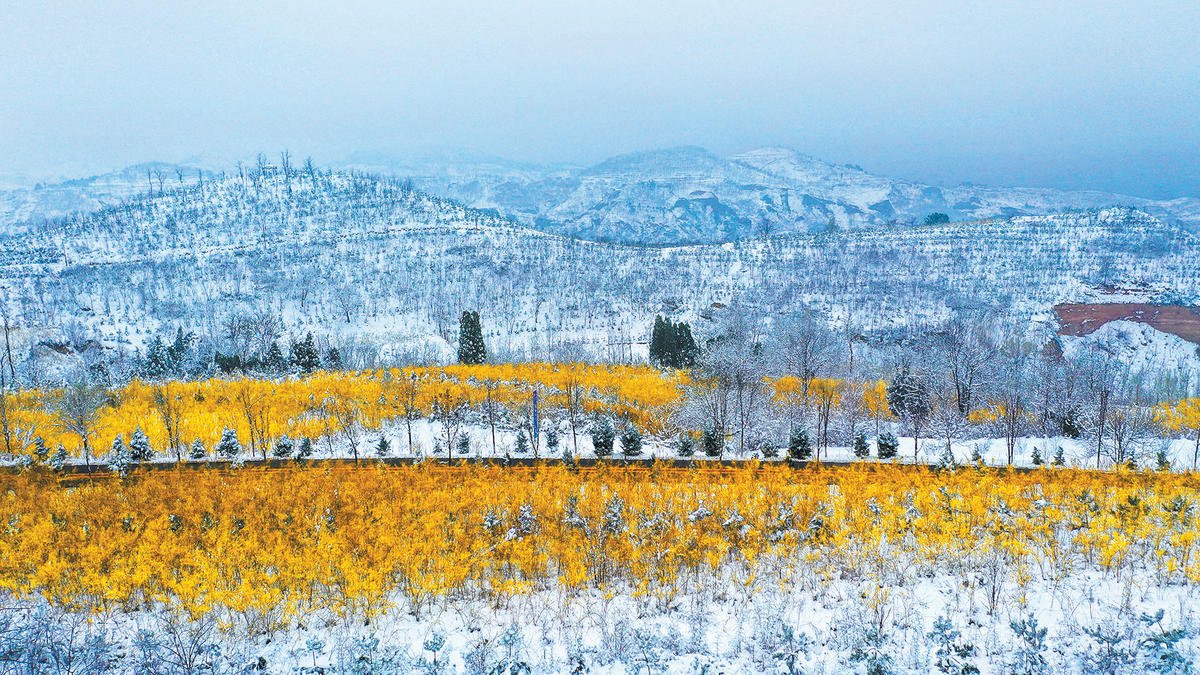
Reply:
x=258, y=547
x=174, y=414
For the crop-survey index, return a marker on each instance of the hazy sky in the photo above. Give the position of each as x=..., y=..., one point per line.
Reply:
x=1095, y=94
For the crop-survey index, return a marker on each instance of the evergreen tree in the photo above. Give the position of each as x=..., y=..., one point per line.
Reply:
x=603, y=437
x=861, y=449
x=333, y=359
x=471, y=348
x=522, y=442
x=198, y=451
x=40, y=450
x=631, y=441
x=976, y=458
x=671, y=344
x=228, y=364
x=712, y=442
x=1059, y=460
x=685, y=347
x=686, y=446
x=139, y=446
x=229, y=447
x=306, y=449
x=889, y=445
x=551, y=440
x=464, y=445
x=1164, y=464
x=1037, y=457
x=799, y=444
x=304, y=355
x=118, y=447
x=657, y=354
x=383, y=448
x=120, y=459
x=58, y=461
x=274, y=362
x=178, y=351
x=284, y=447
x=158, y=363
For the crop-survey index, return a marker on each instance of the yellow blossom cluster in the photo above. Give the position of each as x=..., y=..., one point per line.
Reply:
x=256, y=547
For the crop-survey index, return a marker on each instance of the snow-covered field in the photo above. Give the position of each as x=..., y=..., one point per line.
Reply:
x=818, y=622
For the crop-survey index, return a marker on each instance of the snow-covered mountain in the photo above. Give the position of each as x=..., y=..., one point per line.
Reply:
x=382, y=264
x=673, y=196
x=26, y=205
x=691, y=195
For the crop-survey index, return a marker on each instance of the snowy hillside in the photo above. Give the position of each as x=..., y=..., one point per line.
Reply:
x=25, y=206
x=389, y=264
x=675, y=196
x=691, y=195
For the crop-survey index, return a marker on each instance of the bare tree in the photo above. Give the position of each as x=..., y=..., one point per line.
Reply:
x=254, y=404
x=1129, y=426
x=1100, y=372
x=1011, y=391
x=732, y=362
x=804, y=346
x=449, y=407
x=77, y=409
x=167, y=405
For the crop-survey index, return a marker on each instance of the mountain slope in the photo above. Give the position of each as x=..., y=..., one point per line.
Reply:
x=691, y=195
x=381, y=263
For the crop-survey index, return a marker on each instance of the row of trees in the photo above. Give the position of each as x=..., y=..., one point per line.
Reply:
x=757, y=381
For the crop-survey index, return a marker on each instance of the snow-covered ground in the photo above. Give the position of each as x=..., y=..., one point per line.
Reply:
x=429, y=441
x=821, y=623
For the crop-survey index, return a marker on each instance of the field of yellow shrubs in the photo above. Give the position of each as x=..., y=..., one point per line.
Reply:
x=255, y=548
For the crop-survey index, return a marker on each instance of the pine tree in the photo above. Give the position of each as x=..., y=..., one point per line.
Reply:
x=1164, y=464
x=178, y=351
x=118, y=446
x=712, y=442
x=603, y=437
x=306, y=449
x=58, y=461
x=304, y=355
x=657, y=354
x=40, y=450
x=383, y=448
x=889, y=445
x=551, y=440
x=631, y=441
x=685, y=347
x=1059, y=460
x=686, y=446
x=333, y=359
x=229, y=447
x=522, y=442
x=139, y=446
x=274, y=362
x=158, y=363
x=1037, y=457
x=861, y=449
x=120, y=459
x=799, y=444
x=284, y=447
x=471, y=348
x=464, y=445
x=198, y=451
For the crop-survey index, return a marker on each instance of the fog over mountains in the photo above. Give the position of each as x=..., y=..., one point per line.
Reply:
x=691, y=195
x=671, y=196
